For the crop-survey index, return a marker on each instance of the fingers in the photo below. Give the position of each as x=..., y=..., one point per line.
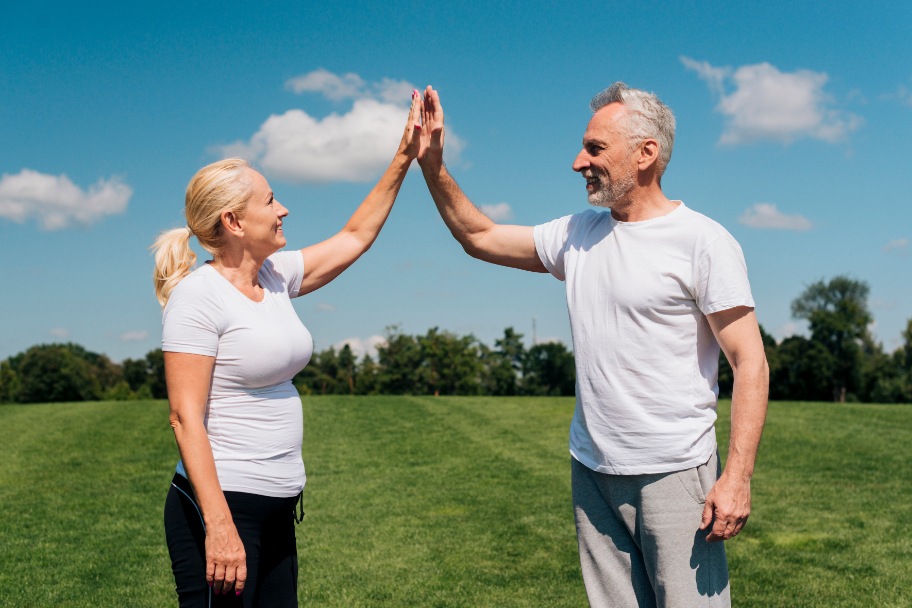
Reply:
x=414, y=118
x=218, y=582
x=725, y=527
x=241, y=579
x=707, y=514
x=210, y=571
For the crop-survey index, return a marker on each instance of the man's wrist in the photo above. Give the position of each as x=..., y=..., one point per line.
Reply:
x=431, y=164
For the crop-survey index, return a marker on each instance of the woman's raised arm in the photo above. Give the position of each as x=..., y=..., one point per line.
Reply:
x=325, y=261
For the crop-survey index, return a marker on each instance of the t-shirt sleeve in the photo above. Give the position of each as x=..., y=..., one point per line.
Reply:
x=290, y=265
x=722, y=277
x=551, y=244
x=192, y=320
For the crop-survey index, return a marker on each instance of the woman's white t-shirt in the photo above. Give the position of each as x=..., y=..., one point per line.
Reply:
x=253, y=416
x=647, y=361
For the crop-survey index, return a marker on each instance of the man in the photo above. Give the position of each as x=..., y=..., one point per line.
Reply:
x=653, y=290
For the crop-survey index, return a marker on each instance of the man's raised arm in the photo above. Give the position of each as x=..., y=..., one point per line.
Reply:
x=512, y=246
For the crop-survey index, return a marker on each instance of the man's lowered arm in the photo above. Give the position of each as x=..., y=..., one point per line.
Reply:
x=729, y=501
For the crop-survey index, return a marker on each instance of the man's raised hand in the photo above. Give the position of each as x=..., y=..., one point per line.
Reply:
x=430, y=153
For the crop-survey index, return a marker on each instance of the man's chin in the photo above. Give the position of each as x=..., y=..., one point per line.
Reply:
x=597, y=201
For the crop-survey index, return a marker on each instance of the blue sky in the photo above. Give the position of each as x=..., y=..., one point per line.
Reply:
x=793, y=125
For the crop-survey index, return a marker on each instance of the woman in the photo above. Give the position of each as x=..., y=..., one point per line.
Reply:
x=232, y=344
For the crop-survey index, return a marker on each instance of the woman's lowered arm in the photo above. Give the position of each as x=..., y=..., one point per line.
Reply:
x=188, y=379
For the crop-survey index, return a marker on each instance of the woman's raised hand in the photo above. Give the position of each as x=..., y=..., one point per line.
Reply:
x=226, y=560
x=411, y=143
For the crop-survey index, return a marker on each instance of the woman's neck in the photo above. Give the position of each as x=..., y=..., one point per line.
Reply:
x=241, y=269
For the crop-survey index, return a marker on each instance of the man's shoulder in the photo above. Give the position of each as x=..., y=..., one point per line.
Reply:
x=701, y=227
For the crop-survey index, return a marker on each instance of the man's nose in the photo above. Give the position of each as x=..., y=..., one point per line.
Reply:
x=581, y=162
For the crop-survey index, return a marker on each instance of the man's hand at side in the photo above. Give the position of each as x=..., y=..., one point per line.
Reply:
x=729, y=501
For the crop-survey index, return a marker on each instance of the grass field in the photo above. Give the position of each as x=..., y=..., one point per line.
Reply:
x=422, y=501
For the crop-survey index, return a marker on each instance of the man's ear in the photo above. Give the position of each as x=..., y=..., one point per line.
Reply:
x=649, y=155
x=231, y=223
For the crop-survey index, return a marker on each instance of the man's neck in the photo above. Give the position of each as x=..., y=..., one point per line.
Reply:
x=643, y=204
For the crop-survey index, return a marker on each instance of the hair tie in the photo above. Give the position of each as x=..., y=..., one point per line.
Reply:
x=190, y=230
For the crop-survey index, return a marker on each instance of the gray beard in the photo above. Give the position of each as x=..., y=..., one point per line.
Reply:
x=611, y=191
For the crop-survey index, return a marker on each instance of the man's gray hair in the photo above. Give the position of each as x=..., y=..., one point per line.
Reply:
x=647, y=118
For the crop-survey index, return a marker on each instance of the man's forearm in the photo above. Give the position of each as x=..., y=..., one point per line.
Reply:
x=464, y=220
x=748, y=414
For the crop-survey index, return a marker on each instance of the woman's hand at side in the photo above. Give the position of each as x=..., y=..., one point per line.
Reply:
x=325, y=261
x=226, y=561
x=188, y=378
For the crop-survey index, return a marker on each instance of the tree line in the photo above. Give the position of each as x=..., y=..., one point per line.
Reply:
x=839, y=361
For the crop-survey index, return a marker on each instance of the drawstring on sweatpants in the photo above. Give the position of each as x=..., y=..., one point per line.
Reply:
x=298, y=506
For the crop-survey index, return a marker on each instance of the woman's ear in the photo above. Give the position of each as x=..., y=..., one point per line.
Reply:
x=232, y=223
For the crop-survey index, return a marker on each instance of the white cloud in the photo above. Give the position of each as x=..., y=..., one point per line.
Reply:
x=351, y=86
x=325, y=307
x=56, y=202
x=134, y=336
x=325, y=82
x=352, y=147
x=765, y=215
x=498, y=213
x=361, y=347
x=60, y=332
x=902, y=94
x=786, y=330
x=900, y=246
x=769, y=104
x=881, y=304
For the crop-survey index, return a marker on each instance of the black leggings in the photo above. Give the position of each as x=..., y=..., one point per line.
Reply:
x=266, y=527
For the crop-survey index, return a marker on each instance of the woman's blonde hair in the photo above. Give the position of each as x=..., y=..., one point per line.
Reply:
x=219, y=187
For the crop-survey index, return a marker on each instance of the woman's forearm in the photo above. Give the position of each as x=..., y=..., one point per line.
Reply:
x=367, y=221
x=199, y=463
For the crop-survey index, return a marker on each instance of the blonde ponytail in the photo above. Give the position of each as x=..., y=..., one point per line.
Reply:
x=173, y=261
x=221, y=186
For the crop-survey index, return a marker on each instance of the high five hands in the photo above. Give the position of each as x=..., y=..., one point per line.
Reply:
x=423, y=136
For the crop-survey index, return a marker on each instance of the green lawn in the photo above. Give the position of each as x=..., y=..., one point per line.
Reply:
x=422, y=501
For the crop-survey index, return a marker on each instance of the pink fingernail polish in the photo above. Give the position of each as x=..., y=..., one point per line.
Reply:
x=418, y=127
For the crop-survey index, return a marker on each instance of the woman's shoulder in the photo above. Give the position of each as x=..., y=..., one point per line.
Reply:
x=198, y=287
x=286, y=267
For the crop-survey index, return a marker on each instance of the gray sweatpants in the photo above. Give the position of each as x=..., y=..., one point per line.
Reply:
x=639, y=539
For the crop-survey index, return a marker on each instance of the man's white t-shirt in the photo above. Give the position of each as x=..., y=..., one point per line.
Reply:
x=253, y=417
x=647, y=361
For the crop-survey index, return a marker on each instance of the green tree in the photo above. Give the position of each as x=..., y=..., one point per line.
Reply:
x=549, y=369
x=136, y=373
x=119, y=392
x=838, y=316
x=155, y=362
x=450, y=364
x=400, y=364
x=367, y=377
x=9, y=382
x=345, y=376
x=504, y=364
x=803, y=372
x=53, y=372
